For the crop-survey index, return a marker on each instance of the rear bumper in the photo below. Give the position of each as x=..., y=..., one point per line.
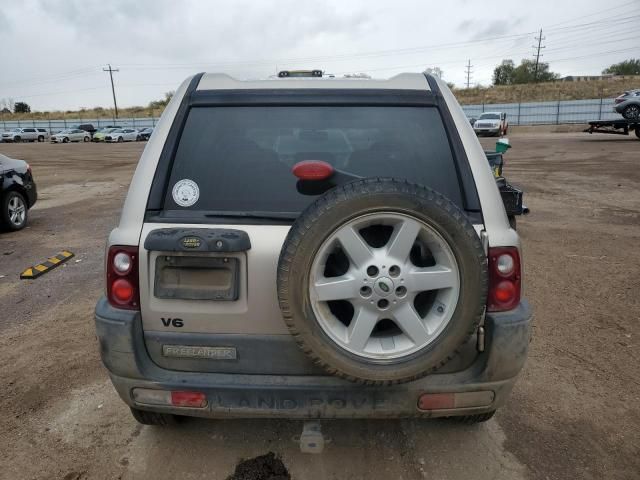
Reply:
x=486, y=130
x=313, y=396
x=32, y=193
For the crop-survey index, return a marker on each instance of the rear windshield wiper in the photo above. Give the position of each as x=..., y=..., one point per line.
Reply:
x=256, y=214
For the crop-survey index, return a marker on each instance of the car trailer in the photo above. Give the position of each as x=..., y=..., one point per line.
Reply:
x=616, y=127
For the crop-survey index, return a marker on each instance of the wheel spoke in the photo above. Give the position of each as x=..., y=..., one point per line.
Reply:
x=361, y=327
x=431, y=278
x=336, y=288
x=403, y=237
x=354, y=246
x=411, y=324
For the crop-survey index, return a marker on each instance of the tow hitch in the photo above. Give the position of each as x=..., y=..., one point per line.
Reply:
x=311, y=439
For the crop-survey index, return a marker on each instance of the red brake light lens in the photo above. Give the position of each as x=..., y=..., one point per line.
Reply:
x=312, y=170
x=188, y=399
x=504, y=279
x=122, y=290
x=436, y=401
x=122, y=277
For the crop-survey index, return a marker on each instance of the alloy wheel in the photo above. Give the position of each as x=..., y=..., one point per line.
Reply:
x=17, y=210
x=384, y=285
x=632, y=112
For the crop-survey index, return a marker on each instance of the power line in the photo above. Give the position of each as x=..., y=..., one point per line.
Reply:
x=609, y=9
x=539, y=38
x=613, y=21
x=468, y=72
x=113, y=90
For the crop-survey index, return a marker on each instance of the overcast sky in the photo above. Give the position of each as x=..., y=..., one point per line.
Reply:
x=52, y=52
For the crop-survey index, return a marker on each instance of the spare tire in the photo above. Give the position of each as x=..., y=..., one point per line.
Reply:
x=382, y=281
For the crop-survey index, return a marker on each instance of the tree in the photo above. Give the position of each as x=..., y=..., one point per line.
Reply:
x=628, y=67
x=5, y=110
x=503, y=73
x=526, y=72
x=7, y=103
x=162, y=103
x=21, y=107
x=508, y=74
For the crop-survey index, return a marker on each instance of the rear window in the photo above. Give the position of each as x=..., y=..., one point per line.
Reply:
x=239, y=159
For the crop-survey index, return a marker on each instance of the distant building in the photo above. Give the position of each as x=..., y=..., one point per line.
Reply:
x=356, y=75
x=586, y=78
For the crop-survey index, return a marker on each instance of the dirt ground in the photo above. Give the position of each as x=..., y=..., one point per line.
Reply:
x=574, y=413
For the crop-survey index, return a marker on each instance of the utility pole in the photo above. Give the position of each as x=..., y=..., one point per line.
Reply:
x=113, y=90
x=468, y=71
x=539, y=38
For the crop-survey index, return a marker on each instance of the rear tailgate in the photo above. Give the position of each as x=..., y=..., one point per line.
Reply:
x=209, y=303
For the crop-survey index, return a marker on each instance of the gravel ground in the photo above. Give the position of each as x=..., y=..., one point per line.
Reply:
x=574, y=413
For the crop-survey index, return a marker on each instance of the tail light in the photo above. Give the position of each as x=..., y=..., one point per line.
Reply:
x=620, y=99
x=504, y=279
x=184, y=398
x=122, y=277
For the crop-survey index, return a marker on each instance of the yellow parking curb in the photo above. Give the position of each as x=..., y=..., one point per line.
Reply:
x=42, y=268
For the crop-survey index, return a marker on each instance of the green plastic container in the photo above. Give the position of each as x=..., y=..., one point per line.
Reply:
x=502, y=145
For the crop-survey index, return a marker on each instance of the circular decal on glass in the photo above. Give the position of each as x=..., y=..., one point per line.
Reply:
x=185, y=192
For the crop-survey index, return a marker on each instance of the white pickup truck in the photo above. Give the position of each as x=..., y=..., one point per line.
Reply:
x=30, y=134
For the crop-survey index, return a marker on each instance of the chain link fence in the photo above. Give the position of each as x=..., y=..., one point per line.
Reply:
x=525, y=113
x=549, y=113
x=54, y=126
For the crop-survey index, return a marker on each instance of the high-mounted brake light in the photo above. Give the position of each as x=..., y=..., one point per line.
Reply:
x=504, y=279
x=312, y=170
x=122, y=277
x=299, y=73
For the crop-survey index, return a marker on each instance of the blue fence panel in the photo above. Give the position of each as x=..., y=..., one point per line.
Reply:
x=528, y=113
x=541, y=113
x=54, y=126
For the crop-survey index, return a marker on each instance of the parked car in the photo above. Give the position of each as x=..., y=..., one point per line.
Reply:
x=43, y=134
x=250, y=280
x=145, y=133
x=26, y=134
x=87, y=127
x=628, y=104
x=100, y=134
x=122, y=135
x=71, y=135
x=18, y=193
x=491, y=123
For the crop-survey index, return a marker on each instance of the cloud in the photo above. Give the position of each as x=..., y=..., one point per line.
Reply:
x=54, y=50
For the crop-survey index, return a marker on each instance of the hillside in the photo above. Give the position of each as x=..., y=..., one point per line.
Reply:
x=550, y=91
x=539, y=92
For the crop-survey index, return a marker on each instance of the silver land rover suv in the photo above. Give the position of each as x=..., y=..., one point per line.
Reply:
x=312, y=247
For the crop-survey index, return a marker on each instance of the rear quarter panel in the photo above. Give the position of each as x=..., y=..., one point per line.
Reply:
x=129, y=228
x=496, y=223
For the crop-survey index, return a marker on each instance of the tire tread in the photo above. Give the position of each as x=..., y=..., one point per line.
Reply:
x=363, y=188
